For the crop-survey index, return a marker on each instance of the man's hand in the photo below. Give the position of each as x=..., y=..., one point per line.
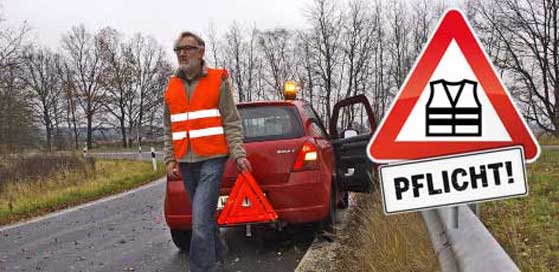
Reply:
x=243, y=165
x=172, y=170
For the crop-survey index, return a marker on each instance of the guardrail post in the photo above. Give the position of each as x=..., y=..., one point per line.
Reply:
x=475, y=208
x=84, y=151
x=153, y=161
x=455, y=216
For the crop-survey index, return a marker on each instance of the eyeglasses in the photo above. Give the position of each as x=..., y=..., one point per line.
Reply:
x=187, y=48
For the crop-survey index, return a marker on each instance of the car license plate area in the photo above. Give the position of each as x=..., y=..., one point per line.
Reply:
x=223, y=199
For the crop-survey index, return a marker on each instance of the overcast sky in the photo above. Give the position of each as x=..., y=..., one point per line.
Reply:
x=163, y=19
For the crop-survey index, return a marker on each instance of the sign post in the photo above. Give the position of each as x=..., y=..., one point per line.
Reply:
x=153, y=160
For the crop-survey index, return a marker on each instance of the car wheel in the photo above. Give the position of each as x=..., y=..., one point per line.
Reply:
x=182, y=238
x=344, y=201
x=330, y=220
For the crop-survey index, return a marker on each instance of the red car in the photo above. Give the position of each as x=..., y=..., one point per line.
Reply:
x=304, y=171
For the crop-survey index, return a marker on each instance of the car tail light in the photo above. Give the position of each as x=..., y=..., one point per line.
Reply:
x=307, y=158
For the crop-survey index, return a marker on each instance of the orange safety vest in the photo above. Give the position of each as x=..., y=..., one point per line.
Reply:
x=197, y=120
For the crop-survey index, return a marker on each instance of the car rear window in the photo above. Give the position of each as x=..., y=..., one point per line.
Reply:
x=270, y=123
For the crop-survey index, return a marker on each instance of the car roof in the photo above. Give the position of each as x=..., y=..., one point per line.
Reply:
x=272, y=103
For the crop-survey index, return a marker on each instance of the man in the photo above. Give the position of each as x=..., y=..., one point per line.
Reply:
x=202, y=128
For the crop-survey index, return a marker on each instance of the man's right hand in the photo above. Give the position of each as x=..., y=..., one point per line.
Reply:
x=172, y=170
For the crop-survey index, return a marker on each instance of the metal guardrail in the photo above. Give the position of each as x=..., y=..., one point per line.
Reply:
x=470, y=247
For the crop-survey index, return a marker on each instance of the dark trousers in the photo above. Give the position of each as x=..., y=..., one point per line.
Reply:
x=202, y=181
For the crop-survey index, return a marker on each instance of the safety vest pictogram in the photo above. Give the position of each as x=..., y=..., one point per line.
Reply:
x=197, y=120
x=453, y=115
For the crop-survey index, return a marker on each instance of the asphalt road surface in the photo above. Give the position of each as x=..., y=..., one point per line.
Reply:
x=128, y=233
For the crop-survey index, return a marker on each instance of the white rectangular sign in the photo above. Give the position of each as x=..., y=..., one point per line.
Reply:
x=453, y=180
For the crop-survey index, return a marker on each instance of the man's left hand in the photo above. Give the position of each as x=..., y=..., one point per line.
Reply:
x=243, y=165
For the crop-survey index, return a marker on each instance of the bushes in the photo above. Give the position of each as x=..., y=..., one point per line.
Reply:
x=17, y=131
x=22, y=168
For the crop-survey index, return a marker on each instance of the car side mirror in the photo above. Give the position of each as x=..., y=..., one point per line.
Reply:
x=350, y=133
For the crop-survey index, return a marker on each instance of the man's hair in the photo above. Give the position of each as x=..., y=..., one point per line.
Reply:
x=190, y=34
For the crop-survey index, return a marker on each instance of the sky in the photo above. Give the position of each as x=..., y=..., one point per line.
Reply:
x=162, y=19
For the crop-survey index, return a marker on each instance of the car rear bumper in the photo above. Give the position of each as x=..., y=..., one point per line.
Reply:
x=303, y=199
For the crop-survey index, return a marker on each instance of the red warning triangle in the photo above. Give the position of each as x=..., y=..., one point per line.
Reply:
x=451, y=128
x=237, y=212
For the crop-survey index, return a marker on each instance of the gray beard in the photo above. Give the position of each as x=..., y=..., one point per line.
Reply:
x=190, y=69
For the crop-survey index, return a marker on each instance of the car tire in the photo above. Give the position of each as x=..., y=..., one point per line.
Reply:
x=182, y=238
x=328, y=223
x=344, y=201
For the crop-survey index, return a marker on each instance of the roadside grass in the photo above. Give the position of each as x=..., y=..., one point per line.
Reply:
x=35, y=196
x=548, y=140
x=528, y=228
x=372, y=241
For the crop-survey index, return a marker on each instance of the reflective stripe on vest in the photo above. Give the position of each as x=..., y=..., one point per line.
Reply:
x=179, y=117
x=197, y=133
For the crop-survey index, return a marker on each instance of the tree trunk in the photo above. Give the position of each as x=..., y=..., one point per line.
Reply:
x=89, y=129
x=123, y=131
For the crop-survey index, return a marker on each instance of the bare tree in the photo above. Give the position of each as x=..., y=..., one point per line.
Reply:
x=213, y=45
x=251, y=62
x=527, y=35
x=43, y=86
x=326, y=25
x=235, y=52
x=117, y=78
x=70, y=97
x=305, y=60
x=275, y=46
x=358, y=44
x=84, y=61
x=151, y=71
x=17, y=131
x=399, y=42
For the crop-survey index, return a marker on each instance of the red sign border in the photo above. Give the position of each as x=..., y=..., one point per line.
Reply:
x=383, y=146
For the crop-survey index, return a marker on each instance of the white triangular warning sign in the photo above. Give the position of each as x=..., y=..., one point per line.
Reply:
x=451, y=102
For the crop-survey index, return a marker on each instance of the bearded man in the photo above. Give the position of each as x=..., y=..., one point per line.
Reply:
x=202, y=129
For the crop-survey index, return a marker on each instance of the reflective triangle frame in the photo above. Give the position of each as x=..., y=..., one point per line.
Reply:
x=260, y=210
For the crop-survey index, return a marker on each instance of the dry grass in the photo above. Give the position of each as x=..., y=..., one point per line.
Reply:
x=372, y=241
x=25, y=198
x=29, y=167
x=528, y=228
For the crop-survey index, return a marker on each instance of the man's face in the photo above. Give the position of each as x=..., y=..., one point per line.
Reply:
x=189, y=52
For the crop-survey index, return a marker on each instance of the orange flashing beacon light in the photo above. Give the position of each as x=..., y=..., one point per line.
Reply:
x=290, y=89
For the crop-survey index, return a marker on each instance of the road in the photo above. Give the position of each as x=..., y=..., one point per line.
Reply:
x=128, y=233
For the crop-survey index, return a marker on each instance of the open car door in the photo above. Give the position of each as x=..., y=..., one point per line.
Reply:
x=354, y=171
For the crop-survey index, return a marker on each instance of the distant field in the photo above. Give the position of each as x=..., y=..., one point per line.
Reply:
x=117, y=147
x=69, y=185
x=528, y=228
x=548, y=140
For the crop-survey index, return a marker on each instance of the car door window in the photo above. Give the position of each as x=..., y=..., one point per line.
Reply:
x=317, y=131
x=316, y=127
